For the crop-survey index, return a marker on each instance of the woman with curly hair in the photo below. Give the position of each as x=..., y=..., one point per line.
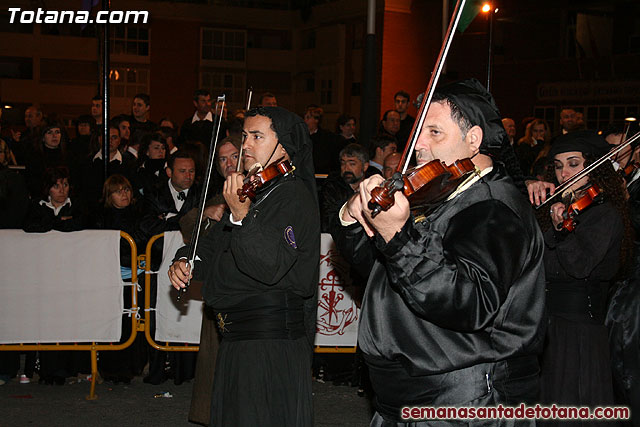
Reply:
x=580, y=267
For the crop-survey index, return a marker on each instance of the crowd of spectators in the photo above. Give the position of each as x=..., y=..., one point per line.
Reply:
x=154, y=176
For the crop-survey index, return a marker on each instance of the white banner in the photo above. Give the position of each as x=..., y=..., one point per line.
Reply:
x=60, y=287
x=338, y=315
x=176, y=321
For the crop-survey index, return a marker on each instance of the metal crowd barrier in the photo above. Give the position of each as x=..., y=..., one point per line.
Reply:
x=137, y=325
x=189, y=347
x=94, y=348
x=147, y=304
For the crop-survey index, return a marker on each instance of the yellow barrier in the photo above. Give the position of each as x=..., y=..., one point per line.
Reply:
x=147, y=305
x=93, y=347
x=322, y=349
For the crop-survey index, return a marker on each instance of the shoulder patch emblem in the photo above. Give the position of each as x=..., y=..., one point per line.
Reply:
x=289, y=237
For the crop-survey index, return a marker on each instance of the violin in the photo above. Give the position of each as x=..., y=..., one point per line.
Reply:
x=255, y=180
x=424, y=185
x=629, y=170
x=592, y=194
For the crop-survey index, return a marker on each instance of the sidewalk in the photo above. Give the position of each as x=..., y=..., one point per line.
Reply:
x=135, y=405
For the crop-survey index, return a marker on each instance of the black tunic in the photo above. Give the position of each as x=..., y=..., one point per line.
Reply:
x=257, y=276
x=453, y=309
x=623, y=320
x=579, y=267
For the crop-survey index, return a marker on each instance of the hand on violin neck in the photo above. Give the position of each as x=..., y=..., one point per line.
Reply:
x=556, y=211
x=233, y=183
x=389, y=222
x=538, y=191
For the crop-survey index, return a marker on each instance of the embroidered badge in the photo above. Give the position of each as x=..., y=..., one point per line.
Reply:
x=222, y=323
x=289, y=237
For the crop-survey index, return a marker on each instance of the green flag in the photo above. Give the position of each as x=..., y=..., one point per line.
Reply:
x=471, y=9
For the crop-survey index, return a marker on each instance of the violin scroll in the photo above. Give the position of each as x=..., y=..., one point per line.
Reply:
x=382, y=196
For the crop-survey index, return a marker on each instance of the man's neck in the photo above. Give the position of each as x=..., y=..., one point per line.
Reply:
x=202, y=116
x=482, y=161
x=402, y=115
x=176, y=188
x=143, y=120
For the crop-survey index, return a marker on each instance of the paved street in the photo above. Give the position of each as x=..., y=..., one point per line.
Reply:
x=135, y=405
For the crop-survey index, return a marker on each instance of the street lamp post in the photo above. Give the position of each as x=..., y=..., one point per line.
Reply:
x=488, y=9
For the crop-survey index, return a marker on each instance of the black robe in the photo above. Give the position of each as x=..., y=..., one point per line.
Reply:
x=257, y=277
x=453, y=308
x=579, y=267
x=623, y=321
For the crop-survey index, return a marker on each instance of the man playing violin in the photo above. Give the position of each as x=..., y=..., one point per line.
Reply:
x=260, y=270
x=455, y=298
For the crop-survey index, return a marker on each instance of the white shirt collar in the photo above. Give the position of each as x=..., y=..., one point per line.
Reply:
x=117, y=157
x=174, y=194
x=57, y=210
x=196, y=118
x=133, y=151
x=376, y=165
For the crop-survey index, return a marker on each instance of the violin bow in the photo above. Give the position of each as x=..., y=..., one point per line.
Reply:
x=435, y=76
x=249, y=93
x=575, y=178
x=195, y=235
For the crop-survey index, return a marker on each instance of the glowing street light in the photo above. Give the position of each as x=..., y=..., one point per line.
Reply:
x=486, y=7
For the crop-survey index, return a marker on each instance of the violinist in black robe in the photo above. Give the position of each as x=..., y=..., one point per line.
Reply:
x=623, y=315
x=453, y=308
x=580, y=266
x=260, y=268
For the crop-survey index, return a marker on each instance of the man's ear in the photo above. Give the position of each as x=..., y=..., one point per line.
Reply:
x=365, y=166
x=474, y=139
x=168, y=172
x=195, y=104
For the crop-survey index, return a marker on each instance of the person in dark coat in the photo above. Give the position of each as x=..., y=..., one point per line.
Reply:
x=164, y=206
x=154, y=152
x=326, y=145
x=260, y=268
x=55, y=210
x=48, y=152
x=162, y=210
x=121, y=212
x=453, y=309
